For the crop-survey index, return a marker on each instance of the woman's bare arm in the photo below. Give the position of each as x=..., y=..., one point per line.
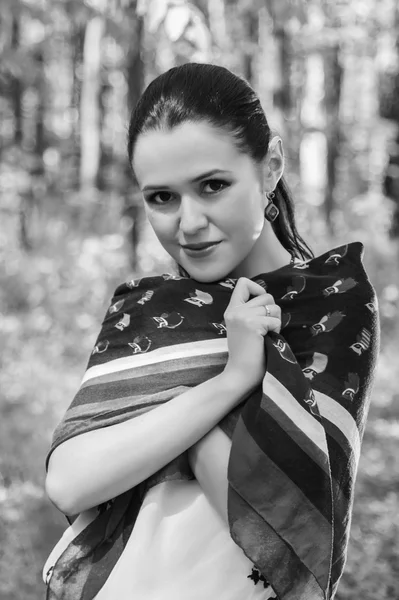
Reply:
x=94, y=467
x=209, y=459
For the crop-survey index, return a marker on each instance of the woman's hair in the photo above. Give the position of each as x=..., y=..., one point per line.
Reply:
x=198, y=92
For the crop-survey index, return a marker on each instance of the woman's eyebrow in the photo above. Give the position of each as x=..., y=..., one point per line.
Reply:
x=198, y=178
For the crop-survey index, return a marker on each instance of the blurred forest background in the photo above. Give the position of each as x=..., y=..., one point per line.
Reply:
x=72, y=225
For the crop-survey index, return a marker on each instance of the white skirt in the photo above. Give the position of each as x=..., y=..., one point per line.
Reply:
x=180, y=548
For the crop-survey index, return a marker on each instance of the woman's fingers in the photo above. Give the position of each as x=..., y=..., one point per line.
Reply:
x=272, y=323
x=273, y=311
x=261, y=300
x=245, y=288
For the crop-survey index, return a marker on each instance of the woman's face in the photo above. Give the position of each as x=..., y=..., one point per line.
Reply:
x=198, y=188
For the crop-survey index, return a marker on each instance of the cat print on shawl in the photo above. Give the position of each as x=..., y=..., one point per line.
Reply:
x=285, y=319
x=116, y=306
x=285, y=350
x=141, y=343
x=100, y=347
x=363, y=340
x=317, y=365
x=371, y=306
x=199, y=298
x=169, y=320
x=298, y=285
x=229, y=283
x=145, y=297
x=123, y=322
x=133, y=283
x=170, y=276
x=327, y=323
x=351, y=386
x=310, y=400
x=335, y=255
x=300, y=265
x=220, y=327
x=340, y=286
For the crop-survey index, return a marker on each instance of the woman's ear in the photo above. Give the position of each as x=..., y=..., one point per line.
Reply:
x=274, y=164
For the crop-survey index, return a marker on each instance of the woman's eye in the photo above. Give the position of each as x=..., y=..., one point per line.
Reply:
x=160, y=197
x=216, y=185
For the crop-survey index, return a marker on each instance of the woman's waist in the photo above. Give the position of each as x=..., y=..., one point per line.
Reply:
x=180, y=542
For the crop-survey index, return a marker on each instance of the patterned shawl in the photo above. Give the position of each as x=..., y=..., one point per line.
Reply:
x=295, y=440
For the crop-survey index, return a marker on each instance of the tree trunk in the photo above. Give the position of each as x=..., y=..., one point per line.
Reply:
x=38, y=169
x=16, y=87
x=16, y=98
x=287, y=76
x=266, y=63
x=389, y=109
x=250, y=29
x=77, y=44
x=89, y=105
x=134, y=65
x=333, y=81
x=218, y=27
x=135, y=84
x=282, y=94
x=106, y=155
x=32, y=200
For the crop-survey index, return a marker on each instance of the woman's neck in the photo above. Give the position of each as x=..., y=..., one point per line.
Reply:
x=267, y=254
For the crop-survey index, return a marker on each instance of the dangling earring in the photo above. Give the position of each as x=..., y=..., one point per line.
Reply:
x=271, y=210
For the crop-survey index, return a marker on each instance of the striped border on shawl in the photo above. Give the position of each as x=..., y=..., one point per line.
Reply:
x=335, y=413
x=311, y=429
x=284, y=493
x=153, y=369
x=167, y=353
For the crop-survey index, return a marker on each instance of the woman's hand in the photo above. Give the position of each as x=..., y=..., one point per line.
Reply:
x=247, y=322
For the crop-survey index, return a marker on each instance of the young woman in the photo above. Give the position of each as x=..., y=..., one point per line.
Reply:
x=211, y=175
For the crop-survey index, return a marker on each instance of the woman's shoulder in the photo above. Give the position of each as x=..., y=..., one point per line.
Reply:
x=349, y=253
x=132, y=303
x=336, y=287
x=342, y=267
x=332, y=285
x=338, y=259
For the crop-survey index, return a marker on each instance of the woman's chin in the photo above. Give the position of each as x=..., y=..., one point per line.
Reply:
x=206, y=274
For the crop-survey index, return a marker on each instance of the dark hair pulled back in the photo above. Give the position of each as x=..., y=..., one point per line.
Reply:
x=203, y=92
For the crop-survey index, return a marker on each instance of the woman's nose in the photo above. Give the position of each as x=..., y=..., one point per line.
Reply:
x=192, y=216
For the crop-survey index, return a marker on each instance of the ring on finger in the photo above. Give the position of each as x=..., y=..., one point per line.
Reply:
x=267, y=311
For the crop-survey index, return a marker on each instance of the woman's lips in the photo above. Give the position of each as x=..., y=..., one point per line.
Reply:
x=200, y=252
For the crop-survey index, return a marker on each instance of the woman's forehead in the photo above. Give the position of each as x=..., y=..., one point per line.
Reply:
x=183, y=153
